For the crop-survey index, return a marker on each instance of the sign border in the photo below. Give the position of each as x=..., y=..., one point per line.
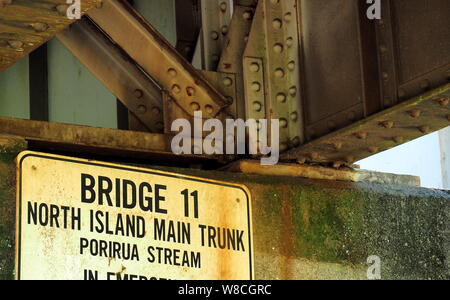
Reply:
x=26, y=154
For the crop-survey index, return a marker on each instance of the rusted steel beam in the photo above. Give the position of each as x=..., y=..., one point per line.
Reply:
x=189, y=24
x=27, y=24
x=158, y=58
x=116, y=71
x=387, y=129
x=101, y=141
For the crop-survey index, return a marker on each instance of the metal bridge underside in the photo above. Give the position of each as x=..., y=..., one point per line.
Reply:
x=343, y=87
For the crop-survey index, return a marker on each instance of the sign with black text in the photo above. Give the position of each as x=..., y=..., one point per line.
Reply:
x=86, y=220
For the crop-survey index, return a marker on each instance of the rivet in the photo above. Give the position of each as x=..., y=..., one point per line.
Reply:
x=223, y=6
x=142, y=109
x=176, y=89
x=443, y=101
x=398, y=139
x=293, y=91
x=362, y=135
x=385, y=76
x=288, y=17
x=190, y=91
x=291, y=66
x=337, y=145
x=17, y=45
x=247, y=15
x=279, y=73
x=39, y=27
x=254, y=67
x=214, y=35
x=138, y=93
x=301, y=160
x=156, y=110
x=383, y=49
x=374, y=149
x=425, y=129
x=415, y=113
x=257, y=106
x=209, y=109
x=256, y=86
x=195, y=106
x=294, y=116
x=277, y=23
x=62, y=9
x=224, y=30
x=313, y=156
x=281, y=98
x=278, y=48
x=283, y=123
x=387, y=124
x=227, y=81
x=338, y=164
x=290, y=42
x=172, y=72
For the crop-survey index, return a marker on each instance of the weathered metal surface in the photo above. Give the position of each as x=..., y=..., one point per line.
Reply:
x=355, y=67
x=189, y=25
x=392, y=127
x=272, y=69
x=319, y=172
x=158, y=58
x=422, y=44
x=333, y=81
x=26, y=24
x=216, y=17
x=122, y=77
x=102, y=141
x=231, y=57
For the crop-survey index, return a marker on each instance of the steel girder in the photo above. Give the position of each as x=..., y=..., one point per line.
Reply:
x=343, y=89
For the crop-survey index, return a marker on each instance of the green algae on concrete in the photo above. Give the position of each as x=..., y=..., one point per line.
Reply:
x=318, y=229
x=10, y=147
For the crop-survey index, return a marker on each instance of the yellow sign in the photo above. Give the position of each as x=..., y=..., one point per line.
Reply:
x=80, y=219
